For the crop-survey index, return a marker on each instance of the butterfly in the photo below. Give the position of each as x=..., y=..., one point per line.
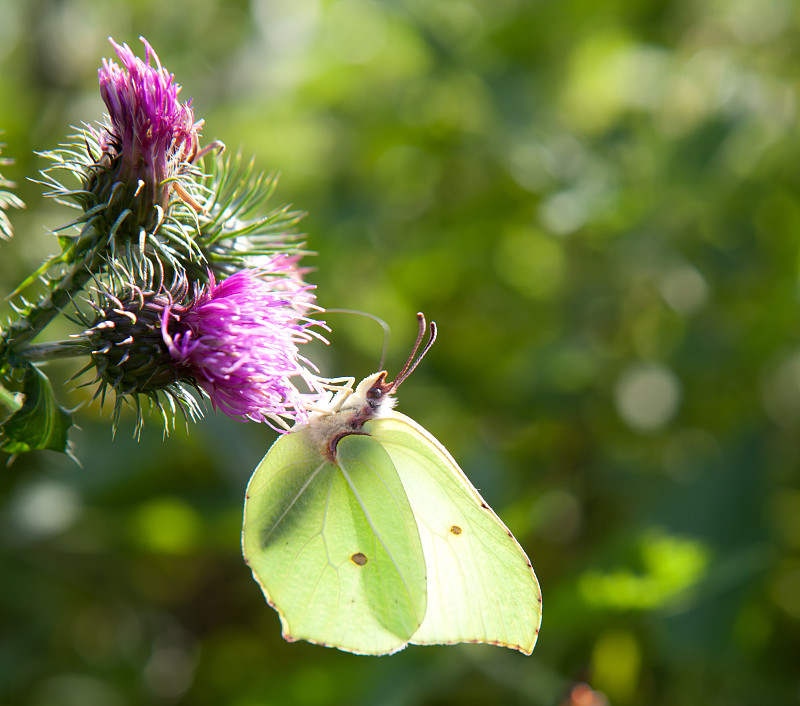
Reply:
x=364, y=534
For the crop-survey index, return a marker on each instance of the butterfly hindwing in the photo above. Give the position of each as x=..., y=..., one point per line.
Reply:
x=480, y=587
x=335, y=546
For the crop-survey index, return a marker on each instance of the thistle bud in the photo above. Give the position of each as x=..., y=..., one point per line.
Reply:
x=149, y=138
x=126, y=344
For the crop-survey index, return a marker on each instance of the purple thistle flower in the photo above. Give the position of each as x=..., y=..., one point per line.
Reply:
x=239, y=341
x=149, y=134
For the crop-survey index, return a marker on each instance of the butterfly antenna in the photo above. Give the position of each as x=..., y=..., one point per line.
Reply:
x=377, y=319
x=414, y=359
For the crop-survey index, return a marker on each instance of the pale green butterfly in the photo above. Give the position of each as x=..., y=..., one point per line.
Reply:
x=364, y=534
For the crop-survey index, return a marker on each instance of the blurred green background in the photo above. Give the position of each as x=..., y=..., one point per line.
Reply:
x=598, y=202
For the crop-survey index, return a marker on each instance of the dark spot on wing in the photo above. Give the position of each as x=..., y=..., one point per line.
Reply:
x=508, y=532
x=455, y=529
x=359, y=559
x=484, y=506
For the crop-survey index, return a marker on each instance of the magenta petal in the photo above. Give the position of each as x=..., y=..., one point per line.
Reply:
x=150, y=127
x=239, y=339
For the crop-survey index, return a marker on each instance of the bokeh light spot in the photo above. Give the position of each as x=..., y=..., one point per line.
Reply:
x=616, y=662
x=670, y=566
x=74, y=689
x=45, y=508
x=780, y=388
x=166, y=525
x=355, y=30
x=564, y=212
x=647, y=396
x=311, y=687
x=684, y=289
x=786, y=591
x=784, y=514
x=169, y=672
x=558, y=516
x=531, y=262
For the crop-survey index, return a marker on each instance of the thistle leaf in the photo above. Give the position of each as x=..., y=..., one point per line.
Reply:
x=41, y=423
x=10, y=403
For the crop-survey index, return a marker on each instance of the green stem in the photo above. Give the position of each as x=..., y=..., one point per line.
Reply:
x=36, y=317
x=49, y=351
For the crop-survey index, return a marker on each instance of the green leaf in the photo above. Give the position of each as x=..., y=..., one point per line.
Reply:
x=41, y=423
x=10, y=402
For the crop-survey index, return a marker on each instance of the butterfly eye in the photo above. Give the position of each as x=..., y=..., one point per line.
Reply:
x=375, y=396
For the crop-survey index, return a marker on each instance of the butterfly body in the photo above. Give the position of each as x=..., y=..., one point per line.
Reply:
x=364, y=534
x=346, y=413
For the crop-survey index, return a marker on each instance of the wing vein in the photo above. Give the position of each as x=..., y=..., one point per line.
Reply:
x=375, y=532
x=296, y=497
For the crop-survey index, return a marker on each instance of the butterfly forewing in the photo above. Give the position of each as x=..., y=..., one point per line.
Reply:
x=334, y=546
x=481, y=587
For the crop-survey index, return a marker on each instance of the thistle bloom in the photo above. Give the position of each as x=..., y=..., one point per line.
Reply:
x=149, y=134
x=239, y=341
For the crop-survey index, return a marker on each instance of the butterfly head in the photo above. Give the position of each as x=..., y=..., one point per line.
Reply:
x=372, y=398
x=374, y=393
x=374, y=390
x=371, y=395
